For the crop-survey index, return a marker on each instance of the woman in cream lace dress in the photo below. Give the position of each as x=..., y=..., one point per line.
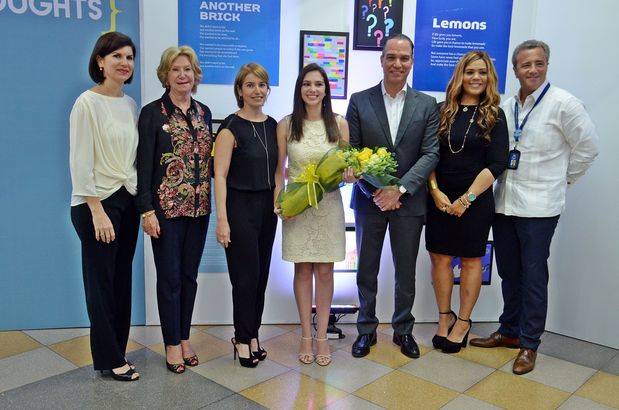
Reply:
x=314, y=239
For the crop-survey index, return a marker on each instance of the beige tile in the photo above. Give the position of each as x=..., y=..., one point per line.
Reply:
x=385, y=328
x=352, y=403
x=15, y=342
x=399, y=390
x=206, y=346
x=514, y=392
x=602, y=388
x=388, y=353
x=580, y=403
x=293, y=390
x=556, y=373
x=345, y=372
x=447, y=370
x=290, y=327
x=77, y=350
x=284, y=349
x=495, y=357
x=229, y=373
x=464, y=402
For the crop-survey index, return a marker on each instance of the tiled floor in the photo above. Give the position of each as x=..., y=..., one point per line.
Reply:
x=52, y=369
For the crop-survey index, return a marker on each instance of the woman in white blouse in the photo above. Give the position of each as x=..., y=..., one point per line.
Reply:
x=103, y=144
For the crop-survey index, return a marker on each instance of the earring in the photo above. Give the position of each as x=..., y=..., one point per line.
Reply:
x=100, y=68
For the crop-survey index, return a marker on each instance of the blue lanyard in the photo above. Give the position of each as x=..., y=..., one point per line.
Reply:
x=518, y=130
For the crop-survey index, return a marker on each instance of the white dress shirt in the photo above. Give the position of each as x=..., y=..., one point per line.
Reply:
x=558, y=144
x=103, y=145
x=394, y=107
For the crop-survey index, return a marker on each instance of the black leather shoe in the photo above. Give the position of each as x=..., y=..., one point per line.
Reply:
x=361, y=347
x=407, y=344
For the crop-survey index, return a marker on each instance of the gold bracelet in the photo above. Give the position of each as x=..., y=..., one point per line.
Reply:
x=433, y=185
x=464, y=204
x=147, y=213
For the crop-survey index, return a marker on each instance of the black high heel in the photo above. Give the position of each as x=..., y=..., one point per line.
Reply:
x=261, y=354
x=191, y=361
x=250, y=361
x=454, y=347
x=127, y=376
x=439, y=341
x=176, y=368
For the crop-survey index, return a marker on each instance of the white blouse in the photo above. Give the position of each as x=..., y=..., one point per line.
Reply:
x=103, y=146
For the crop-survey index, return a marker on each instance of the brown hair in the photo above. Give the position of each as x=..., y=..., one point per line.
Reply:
x=489, y=100
x=299, y=112
x=246, y=69
x=105, y=45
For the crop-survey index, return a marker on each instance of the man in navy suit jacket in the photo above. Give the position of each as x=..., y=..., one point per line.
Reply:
x=392, y=115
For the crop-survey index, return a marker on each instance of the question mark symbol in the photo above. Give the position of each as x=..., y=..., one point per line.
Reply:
x=388, y=26
x=379, y=36
x=386, y=8
x=373, y=8
x=364, y=10
x=372, y=25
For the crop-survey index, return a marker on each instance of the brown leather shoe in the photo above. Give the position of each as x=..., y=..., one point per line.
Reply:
x=496, y=340
x=525, y=361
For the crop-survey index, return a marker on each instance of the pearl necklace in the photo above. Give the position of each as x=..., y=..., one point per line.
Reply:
x=465, y=134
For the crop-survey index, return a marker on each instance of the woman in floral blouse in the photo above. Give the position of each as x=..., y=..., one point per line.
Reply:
x=174, y=186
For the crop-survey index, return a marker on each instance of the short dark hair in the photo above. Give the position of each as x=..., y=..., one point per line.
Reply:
x=107, y=44
x=399, y=36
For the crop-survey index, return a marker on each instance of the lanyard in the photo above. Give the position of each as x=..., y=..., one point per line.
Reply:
x=518, y=130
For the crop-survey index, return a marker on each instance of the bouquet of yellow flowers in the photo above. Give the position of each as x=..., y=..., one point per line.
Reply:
x=373, y=166
x=308, y=188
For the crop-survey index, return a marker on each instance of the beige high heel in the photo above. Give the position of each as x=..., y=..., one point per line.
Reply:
x=323, y=359
x=306, y=358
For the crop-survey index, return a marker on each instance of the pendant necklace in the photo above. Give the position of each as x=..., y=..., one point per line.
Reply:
x=265, y=145
x=465, y=134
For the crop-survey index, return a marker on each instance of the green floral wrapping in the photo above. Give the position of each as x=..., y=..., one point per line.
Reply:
x=308, y=188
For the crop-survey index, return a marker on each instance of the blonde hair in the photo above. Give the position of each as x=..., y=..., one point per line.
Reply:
x=246, y=69
x=167, y=59
x=488, y=103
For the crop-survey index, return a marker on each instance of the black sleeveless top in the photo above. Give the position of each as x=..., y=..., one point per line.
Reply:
x=254, y=159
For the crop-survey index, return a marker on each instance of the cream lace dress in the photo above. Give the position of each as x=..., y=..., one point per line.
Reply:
x=315, y=235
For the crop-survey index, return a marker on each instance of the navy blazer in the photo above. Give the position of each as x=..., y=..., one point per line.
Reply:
x=416, y=146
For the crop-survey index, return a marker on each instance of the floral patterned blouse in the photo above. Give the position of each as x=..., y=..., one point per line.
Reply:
x=174, y=159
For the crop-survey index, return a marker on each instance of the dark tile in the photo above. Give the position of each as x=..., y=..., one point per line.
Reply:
x=84, y=388
x=576, y=351
x=235, y=402
x=612, y=366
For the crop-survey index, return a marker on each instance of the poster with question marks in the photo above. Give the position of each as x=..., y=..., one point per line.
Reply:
x=375, y=22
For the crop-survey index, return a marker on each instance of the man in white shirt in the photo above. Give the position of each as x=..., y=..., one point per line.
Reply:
x=552, y=143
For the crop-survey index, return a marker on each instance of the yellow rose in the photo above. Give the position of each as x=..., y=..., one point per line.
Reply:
x=382, y=152
x=364, y=154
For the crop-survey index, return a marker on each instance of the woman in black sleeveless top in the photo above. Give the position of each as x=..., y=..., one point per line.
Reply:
x=245, y=162
x=473, y=153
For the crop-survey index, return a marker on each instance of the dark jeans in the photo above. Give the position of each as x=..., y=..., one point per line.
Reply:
x=252, y=232
x=106, y=269
x=177, y=255
x=404, y=233
x=522, y=248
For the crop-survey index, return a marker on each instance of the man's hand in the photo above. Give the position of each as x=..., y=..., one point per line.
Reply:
x=388, y=199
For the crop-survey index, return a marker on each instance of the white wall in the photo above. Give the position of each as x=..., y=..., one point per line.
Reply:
x=584, y=273
x=578, y=75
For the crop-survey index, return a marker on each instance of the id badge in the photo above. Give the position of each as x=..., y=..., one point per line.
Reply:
x=513, y=159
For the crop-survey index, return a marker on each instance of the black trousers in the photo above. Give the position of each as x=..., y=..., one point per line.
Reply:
x=522, y=248
x=252, y=232
x=404, y=233
x=107, y=277
x=177, y=255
